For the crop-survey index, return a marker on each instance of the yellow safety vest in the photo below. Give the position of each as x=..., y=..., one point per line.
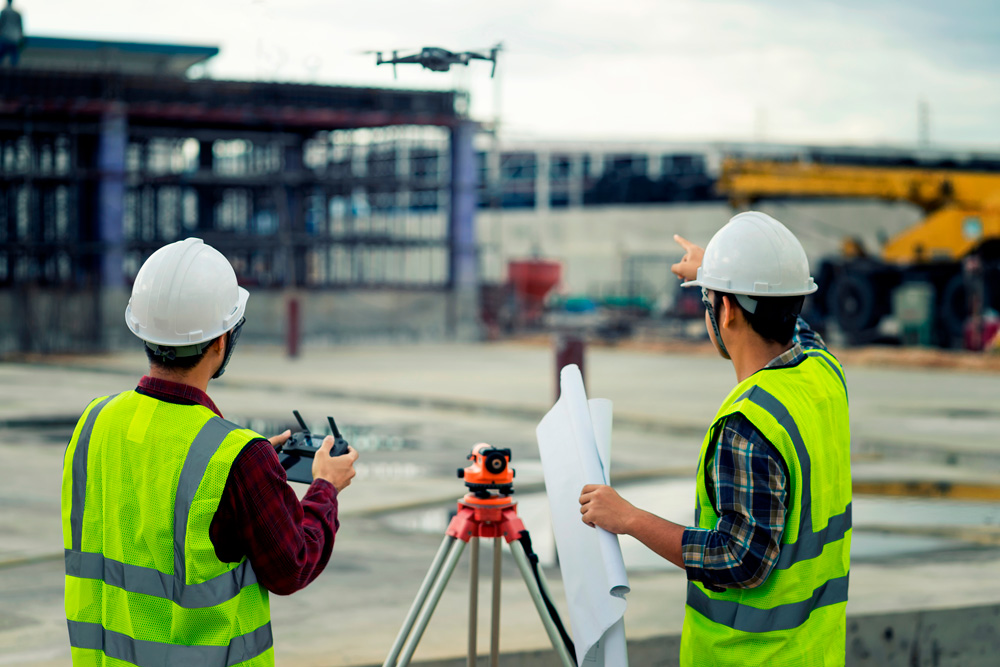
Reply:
x=797, y=616
x=142, y=479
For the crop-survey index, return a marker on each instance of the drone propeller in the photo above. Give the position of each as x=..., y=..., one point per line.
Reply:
x=493, y=56
x=379, y=60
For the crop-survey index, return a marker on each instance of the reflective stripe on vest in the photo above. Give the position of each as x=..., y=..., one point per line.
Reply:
x=138, y=652
x=751, y=619
x=80, y=473
x=149, y=581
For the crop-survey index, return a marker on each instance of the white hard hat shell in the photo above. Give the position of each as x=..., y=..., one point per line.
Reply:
x=185, y=293
x=755, y=254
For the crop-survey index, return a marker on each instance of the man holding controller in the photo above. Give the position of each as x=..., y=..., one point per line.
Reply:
x=176, y=522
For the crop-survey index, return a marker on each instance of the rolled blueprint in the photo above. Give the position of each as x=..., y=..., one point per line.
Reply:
x=574, y=441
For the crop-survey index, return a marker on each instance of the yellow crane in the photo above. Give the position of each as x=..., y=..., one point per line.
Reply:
x=961, y=219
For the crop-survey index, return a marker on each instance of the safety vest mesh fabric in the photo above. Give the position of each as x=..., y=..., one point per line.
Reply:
x=797, y=616
x=142, y=480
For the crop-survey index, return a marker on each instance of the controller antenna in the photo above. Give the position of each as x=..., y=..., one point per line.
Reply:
x=301, y=421
x=333, y=427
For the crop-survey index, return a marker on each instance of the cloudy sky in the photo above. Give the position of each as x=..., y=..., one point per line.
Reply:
x=837, y=71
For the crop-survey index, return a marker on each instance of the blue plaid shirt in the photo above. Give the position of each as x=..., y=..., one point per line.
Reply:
x=748, y=481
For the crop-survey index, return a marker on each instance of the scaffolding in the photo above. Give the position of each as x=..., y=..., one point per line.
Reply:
x=302, y=187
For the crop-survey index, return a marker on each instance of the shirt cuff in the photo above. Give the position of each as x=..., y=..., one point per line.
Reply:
x=693, y=549
x=323, y=487
x=693, y=544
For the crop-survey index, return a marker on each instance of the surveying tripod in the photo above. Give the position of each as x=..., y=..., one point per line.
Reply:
x=481, y=514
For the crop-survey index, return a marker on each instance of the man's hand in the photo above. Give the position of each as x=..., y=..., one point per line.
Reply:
x=338, y=470
x=278, y=440
x=687, y=268
x=602, y=506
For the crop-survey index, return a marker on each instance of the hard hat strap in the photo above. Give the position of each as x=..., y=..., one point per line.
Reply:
x=231, y=338
x=710, y=309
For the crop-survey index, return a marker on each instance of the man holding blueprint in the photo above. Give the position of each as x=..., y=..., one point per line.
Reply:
x=768, y=559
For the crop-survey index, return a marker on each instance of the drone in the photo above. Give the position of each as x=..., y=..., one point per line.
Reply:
x=439, y=60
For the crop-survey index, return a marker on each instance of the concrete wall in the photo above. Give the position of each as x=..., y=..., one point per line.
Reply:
x=930, y=638
x=593, y=243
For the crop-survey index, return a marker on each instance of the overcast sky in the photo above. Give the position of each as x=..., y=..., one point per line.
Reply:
x=837, y=71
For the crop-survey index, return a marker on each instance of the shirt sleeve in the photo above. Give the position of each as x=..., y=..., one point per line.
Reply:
x=287, y=542
x=748, y=482
x=806, y=337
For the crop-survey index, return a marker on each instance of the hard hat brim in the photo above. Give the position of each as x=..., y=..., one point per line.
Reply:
x=728, y=290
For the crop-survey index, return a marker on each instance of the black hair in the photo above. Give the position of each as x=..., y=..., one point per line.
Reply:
x=774, y=318
x=163, y=357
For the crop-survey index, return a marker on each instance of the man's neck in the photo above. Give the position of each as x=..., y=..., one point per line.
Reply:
x=191, y=378
x=754, y=356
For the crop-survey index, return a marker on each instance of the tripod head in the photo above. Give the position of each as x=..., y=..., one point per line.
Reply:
x=490, y=470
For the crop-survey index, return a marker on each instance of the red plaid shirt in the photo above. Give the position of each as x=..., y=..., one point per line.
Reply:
x=288, y=542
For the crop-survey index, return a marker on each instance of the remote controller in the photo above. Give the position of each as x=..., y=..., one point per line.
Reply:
x=304, y=444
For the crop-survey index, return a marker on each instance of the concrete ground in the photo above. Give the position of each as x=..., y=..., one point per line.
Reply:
x=414, y=411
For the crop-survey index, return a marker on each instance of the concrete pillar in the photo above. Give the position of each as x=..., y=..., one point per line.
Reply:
x=111, y=147
x=492, y=246
x=206, y=194
x=543, y=168
x=403, y=178
x=463, y=273
x=494, y=176
x=576, y=180
x=293, y=210
x=292, y=330
x=654, y=164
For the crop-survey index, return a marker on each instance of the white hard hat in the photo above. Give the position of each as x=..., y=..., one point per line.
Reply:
x=756, y=255
x=185, y=293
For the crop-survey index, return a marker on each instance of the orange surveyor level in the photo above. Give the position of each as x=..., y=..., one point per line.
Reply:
x=490, y=469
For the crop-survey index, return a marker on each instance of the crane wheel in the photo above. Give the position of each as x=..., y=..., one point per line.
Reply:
x=852, y=303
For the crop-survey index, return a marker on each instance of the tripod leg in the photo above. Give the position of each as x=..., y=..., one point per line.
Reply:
x=521, y=559
x=544, y=583
x=495, y=630
x=418, y=601
x=473, y=600
x=454, y=552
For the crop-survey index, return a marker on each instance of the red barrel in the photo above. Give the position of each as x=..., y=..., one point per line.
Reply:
x=532, y=280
